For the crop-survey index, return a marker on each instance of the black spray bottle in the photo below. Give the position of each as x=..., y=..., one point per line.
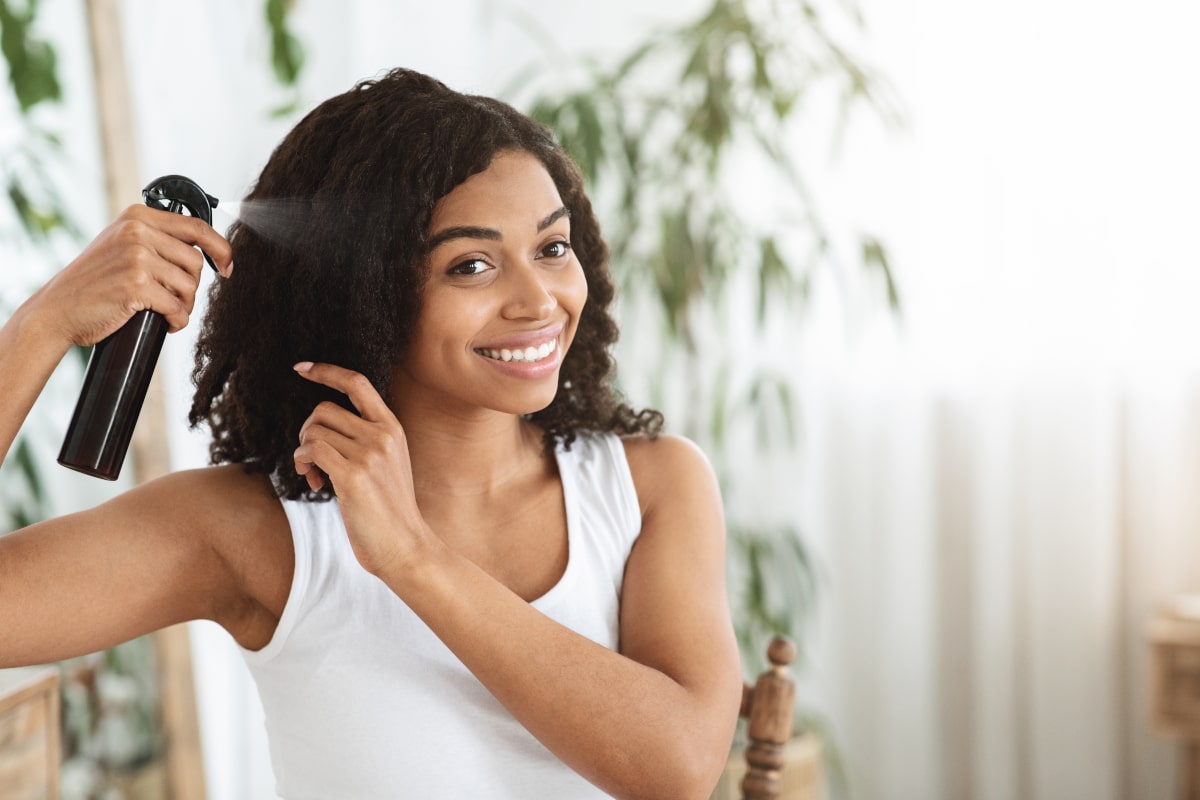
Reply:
x=119, y=371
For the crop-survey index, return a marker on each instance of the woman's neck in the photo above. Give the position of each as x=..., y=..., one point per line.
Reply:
x=479, y=458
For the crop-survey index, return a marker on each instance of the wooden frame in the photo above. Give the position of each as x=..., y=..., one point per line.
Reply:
x=29, y=732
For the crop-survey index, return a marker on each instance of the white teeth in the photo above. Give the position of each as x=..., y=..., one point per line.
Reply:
x=527, y=355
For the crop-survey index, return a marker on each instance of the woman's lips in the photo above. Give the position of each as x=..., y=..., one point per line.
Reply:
x=524, y=340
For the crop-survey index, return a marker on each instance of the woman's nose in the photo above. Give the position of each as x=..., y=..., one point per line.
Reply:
x=529, y=296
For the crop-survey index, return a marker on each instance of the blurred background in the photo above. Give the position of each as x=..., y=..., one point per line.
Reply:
x=921, y=275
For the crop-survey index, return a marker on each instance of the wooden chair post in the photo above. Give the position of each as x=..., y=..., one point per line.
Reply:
x=769, y=706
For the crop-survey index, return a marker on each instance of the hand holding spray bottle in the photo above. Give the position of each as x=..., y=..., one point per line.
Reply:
x=119, y=371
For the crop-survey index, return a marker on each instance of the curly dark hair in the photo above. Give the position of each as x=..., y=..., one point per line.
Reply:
x=331, y=249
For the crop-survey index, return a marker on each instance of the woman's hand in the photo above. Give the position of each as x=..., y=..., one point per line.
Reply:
x=365, y=457
x=144, y=260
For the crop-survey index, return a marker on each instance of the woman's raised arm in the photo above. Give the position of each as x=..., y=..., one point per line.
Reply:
x=89, y=580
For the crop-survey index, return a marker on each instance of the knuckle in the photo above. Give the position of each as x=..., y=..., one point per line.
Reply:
x=132, y=211
x=376, y=458
x=140, y=277
x=140, y=256
x=132, y=229
x=393, y=445
x=359, y=382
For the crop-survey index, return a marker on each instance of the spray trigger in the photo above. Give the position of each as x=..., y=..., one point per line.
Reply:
x=175, y=193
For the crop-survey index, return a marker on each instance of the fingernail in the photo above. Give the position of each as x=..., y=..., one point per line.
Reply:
x=229, y=272
x=303, y=366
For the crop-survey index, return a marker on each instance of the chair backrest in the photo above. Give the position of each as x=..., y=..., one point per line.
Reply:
x=769, y=706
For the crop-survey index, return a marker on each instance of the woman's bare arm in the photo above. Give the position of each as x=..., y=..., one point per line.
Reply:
x=168, y=551
x=29, y=353
x=654, y=720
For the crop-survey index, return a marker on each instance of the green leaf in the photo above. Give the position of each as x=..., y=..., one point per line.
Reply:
x=32, y=64
x=773, y=273
x=287, y=52
x=874, y=255
x=590, y=133
x=28, y=467
x=285, y=110
x=720, y=401
x=37, y=221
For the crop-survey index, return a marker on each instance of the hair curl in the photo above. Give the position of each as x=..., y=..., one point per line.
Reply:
x=332, y=253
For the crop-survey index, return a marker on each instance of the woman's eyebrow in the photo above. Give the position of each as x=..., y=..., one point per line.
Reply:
x=462, y=232
x=476, y=232
x=553, y=218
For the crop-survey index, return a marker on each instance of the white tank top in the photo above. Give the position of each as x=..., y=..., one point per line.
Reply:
x=362, y=700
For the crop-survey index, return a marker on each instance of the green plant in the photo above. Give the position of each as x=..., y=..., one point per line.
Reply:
x=33, y=79
x=36, y=205
x=679, y=140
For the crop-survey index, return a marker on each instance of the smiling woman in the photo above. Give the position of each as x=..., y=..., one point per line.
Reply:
x=454, y=560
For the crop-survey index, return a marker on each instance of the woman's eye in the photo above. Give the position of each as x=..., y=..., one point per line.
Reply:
x=473, y=266
x=556, y=250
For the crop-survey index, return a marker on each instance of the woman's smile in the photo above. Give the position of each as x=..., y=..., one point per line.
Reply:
x=532, y=347
x=529, y=355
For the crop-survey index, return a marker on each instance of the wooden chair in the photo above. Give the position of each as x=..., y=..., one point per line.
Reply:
x=769, y=705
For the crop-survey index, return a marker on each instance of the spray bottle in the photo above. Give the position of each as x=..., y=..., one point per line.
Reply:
x=119, y=371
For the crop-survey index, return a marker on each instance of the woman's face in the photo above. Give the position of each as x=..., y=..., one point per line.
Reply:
x=504, y=294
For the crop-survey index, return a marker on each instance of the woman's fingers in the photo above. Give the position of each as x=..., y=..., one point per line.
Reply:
x=331, y=440
x=330, y=415
x=193, y=231
x=176, y=310
x=182, y=264
x=353, y=384
x=356, y=451
x=145, y=260
x=320, y=456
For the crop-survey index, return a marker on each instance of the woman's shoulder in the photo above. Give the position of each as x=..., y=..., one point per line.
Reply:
x=234, y=511
x=666, y=468
x=214, y=492
x=666, y=452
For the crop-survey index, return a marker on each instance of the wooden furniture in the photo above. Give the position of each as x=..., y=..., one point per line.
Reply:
x=775, y=765
x=802, y=776
x=1175, y=684
x=30, y=748
x=769, y=705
